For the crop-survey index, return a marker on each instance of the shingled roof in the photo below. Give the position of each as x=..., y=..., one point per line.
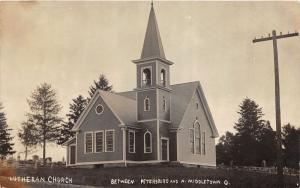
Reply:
x=124, y=104
x=181, y=96
x=124, y=107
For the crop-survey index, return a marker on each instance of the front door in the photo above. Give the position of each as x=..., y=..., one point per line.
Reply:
x=164, y=149
x=72, y=154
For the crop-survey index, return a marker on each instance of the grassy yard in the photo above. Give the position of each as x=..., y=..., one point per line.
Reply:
x=154, y=176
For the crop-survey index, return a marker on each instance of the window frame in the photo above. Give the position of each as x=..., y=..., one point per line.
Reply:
x=85, y=148
x=163, y=82
x=113, y=139
x=129, y=151
x=103, y=142
x=102, y=109
x=149, y=104
x=145, y=150
x=192, y=139
x=142, y=74
x=164, y=104
x=197, y=138
x=203, y=143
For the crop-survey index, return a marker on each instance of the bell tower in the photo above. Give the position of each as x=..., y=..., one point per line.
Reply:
x=153, y=76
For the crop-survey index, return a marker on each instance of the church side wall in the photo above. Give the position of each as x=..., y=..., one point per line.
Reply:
x=97, y=122
x=185, y=155
x=151, y=127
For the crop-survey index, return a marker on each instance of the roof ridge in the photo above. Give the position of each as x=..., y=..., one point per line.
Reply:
x=186, y=83
x=114, y=94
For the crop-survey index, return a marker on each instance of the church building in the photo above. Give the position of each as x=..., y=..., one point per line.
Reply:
x=154, y=123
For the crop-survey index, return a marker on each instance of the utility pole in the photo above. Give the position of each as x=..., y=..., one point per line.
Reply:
x=274, y=38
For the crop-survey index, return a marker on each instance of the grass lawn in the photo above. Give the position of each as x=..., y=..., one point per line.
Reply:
x=157, y=175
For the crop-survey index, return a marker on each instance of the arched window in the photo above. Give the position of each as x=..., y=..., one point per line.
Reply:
x=147, y=142
x=146, y=77
x=197, y=138
x=146, y=104
x=163, y=77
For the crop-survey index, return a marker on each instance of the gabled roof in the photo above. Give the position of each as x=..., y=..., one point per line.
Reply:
x=128, y=94
x=180, y=98
x=123, y=108
x=124, y=105
x=152, y=43
x=207, y=111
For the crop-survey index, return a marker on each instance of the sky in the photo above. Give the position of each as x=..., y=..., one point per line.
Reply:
x=69, y=44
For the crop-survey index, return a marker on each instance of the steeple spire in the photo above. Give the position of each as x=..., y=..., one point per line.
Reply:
x=152, y=42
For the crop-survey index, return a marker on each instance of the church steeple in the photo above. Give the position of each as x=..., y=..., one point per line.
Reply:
x=152, y=43
x=153, y=77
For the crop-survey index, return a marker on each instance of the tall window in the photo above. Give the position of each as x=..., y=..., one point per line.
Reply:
x=164, y=104
x=203, y=144
x=147, y=142
x=99, y=141
x=146, y=104
x=146, y=77
x=191, y=139
x=163, y=77
x=197, y=139
x=88, y=137
x=131, y=141
x=109, y=140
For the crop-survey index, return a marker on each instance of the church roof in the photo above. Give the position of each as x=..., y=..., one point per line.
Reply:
x=181, y=96
x=152, y=43
x=124, y=107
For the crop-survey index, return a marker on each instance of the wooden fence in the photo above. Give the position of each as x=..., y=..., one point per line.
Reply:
x=271, y=170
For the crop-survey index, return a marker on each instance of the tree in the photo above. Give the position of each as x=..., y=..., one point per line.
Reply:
x=76, y=108
x=253, y=142
x=28, y=135
x=267, y=145
x=102, y=84
x=291, y=143
x=253, y=134
x=224, y=149
x=5, y=138
x=45, y=114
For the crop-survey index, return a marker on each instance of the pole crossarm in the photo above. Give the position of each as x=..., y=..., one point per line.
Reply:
x=276, y=37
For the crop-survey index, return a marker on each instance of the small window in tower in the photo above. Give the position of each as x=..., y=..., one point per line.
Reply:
x=146, y=77
x=146, y=104
x=164, y=104
x=163, y=77
x=197, y=106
